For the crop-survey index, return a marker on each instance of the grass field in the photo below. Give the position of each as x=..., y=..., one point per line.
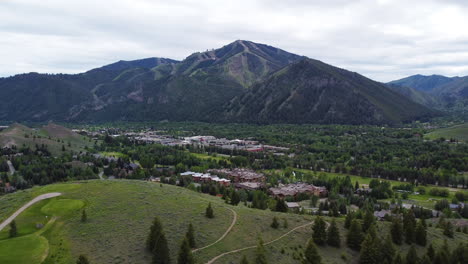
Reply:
x=459, y=132
x=51, y=135
x=113, y=154
x=120, y=214
x=206, y=156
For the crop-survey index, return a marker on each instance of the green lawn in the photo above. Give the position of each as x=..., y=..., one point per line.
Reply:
x=113, y=154
x=25, y=249
x=459, y=132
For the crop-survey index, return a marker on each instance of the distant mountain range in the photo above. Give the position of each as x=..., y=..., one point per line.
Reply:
x=436, y=91
x=240, y=82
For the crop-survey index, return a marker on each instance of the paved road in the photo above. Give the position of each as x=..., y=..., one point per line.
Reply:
x=234, y=220
x=24, y=207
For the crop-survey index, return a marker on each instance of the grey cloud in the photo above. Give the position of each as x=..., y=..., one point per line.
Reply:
x=382, y=39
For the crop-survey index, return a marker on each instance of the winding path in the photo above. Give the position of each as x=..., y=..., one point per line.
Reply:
x=265, y=244
x=234, y=220
x=24, y=207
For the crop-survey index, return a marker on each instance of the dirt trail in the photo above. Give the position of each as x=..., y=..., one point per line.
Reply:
x=272, y=241
x=234, y=220
x=24, y=207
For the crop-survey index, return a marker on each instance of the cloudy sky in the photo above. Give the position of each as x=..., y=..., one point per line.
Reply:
x=382, y=39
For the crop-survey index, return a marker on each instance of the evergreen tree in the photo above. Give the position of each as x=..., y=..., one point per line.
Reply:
x=420, y=234
x=396, y=230
x=235, y=197
x=409, y=226
x=311, y=255
x=349, y=218
x=84, y=216
x=356, y=186
x=185, y=253
x=13, y=229
x=355, y=236
x=398, y=259
x=319, y=231
x=387, y=250
x=260, y=257
x=190, y=236
x=430, y=252
x=275, y=224
x=460, y=254
x=82, y=260
x=244, y=260
x=285, y=223
x=368, y=220
x=209, y=211
x=448, y=229
x=161, y=250
x=412, y=256
x=333, y=236
x=443, y=255
x=155, y=231
x=369, y=251
x=280, y=205
x=425, y=260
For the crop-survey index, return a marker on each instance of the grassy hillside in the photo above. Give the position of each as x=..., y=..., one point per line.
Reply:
x=51, y=135
x=459, y=132
x=120, y=214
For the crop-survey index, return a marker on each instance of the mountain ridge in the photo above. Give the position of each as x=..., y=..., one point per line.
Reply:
x=202, y=87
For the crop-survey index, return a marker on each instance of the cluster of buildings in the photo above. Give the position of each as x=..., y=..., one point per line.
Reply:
x=206, y=178
x=291, y=190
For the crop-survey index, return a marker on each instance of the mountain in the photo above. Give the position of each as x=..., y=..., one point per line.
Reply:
x=216, y=85
x=450, y=94
x=417, y=96
x=424, y=83
x=192, y=89
x=310, y=91
x=143, y=63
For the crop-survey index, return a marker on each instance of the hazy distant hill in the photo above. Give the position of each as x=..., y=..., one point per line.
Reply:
x=449, y=93
x=216, y=85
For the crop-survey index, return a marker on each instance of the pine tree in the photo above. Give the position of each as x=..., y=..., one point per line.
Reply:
x=260, y=257
x=13, y=229
x=430, y=252
x=412, y=256
x=368, y=220
x=320, y=233
x=425, y=260
x=285, y=223
x=84, y=216
x=311, y=255
x=460, y=254
x=244, y=260
x=82, y=260
x=161, y=250
x=387, y=250
x=333, y=236
x=155, y=231
x=398, y=259
x=190, y=236
x=355, y=236
x=420, y=234
x=409, y=226
x=185, y=253
x=369, y=251
x=443, y=255
x=448, y=229
x=280, y=205
x=396, y=230
x=275, y=224
x=209, y=211
x=349, y=218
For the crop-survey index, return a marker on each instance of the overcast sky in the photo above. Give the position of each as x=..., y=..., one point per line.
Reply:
x=381, y=39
